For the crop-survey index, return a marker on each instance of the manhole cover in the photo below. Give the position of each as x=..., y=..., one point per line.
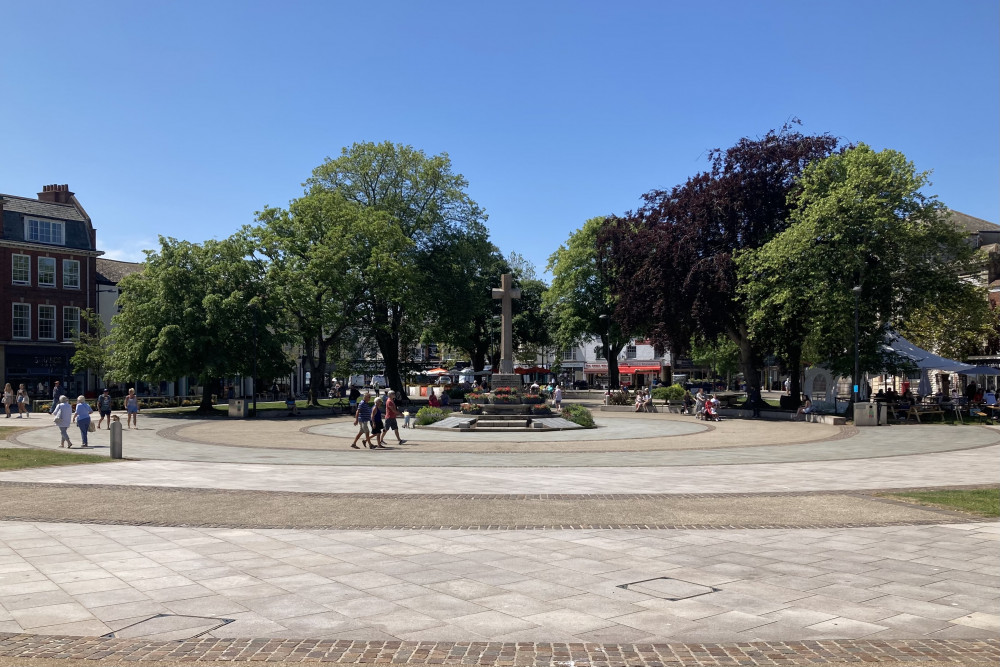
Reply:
x=668, y=588
x=168, y=627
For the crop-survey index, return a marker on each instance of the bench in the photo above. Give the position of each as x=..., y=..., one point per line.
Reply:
x=917, y=410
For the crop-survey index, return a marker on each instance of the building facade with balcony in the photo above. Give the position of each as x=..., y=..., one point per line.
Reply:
x=48, y=274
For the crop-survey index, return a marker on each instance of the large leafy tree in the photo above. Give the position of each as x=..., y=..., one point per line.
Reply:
x=196, y=309
x=673, y=258
x=958, y=327
x=323, y=256
x=861, y=220
x=460, y=296
x=580, y=297
x=92, y=346
x=428, y=203
x=532, y=322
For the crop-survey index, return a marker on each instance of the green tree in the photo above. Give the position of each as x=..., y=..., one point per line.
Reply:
x=196, y=310
x=860, y=219
x=324, y=256
x=580, y=298
x=428, y=203
x=461, y=299
x=957, y=328
x=92, y=346
x=675, y=274
x=532, y=321
x=721, y=355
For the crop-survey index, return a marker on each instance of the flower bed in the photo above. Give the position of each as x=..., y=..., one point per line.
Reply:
x=471, y=409
x=541, y=410
x=476, y=397
x=505, y=396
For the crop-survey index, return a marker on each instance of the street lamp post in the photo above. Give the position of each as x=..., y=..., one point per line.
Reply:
x=857, y=364
x=256, y=353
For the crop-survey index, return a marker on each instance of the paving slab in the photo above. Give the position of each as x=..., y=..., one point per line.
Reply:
x=808, y=611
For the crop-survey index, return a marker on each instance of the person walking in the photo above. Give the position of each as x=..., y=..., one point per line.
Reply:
x=63, y=417
x=8, y=398
x=391, y=414
x=132, y=409
x=557, y=397
x=104, y=408
x=22, y=402
x=378, y=426
x=755, y=400
x=362, y=419
x=82, y=418
x=57, y=393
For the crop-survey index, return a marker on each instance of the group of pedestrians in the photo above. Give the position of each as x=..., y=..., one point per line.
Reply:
x=64, y=415
x=20, y=399
x=376, y=420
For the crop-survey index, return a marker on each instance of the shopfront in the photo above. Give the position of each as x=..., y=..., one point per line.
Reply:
x=37, y=367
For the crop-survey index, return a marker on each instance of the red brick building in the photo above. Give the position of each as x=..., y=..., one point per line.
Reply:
x=48, y=276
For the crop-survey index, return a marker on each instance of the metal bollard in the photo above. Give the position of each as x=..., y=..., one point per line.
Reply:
x=116, y=439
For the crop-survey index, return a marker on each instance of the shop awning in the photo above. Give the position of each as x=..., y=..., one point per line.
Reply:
x=639, y=368
x=531, y=369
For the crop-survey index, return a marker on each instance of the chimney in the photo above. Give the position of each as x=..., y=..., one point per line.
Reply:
x=58, y=194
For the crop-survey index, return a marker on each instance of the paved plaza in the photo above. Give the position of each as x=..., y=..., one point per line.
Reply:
x=633, y=543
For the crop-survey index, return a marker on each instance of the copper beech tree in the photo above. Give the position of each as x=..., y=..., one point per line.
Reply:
x=673, y=269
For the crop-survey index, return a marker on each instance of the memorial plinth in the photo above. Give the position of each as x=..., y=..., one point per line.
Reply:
x=512, y=380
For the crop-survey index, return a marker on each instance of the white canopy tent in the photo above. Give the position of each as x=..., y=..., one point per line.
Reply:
x=928, y=362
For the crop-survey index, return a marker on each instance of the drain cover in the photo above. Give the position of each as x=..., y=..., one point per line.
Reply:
x=669, y=589
x=166, y=627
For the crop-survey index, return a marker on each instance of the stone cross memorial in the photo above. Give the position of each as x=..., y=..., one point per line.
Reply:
x=506, y=293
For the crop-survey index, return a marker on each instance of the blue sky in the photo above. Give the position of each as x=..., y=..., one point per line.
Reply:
x=183, y=118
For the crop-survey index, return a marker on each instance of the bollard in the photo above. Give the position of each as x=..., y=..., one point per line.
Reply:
x=116, y=439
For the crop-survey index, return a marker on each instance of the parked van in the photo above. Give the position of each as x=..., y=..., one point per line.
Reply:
x=379, y=382
x=356, y=381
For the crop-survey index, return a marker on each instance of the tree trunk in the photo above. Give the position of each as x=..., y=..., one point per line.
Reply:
x=748, y=358
x=794, y=362
x=388, y=346
x=317, y=369
x=212, y=386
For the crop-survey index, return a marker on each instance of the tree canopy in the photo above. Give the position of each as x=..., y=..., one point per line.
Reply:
x=859, y=219
x=428, y=204
x=324, y=255
x=673, y=268
x=196, y=309
x=580, y=297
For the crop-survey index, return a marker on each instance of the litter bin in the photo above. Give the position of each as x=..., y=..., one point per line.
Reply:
x=238, y=407
x=870, y=414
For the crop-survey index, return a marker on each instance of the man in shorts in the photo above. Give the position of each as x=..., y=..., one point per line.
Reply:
x=363, y=420
x=391, y=413
x=104, y=408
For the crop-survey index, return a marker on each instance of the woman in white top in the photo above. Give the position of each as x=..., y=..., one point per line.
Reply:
x=82, y=417
x=22, y=402
x=63, y=417
x=8, y=398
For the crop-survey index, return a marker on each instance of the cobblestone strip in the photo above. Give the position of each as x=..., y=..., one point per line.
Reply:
x=497, y=526
x=489, y=654
x=867, y=493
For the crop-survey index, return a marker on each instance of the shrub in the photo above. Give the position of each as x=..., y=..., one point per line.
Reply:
x=428, y=415
x=578, y=415
x=457, y=393
x=620, y=398
x=674, y=392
